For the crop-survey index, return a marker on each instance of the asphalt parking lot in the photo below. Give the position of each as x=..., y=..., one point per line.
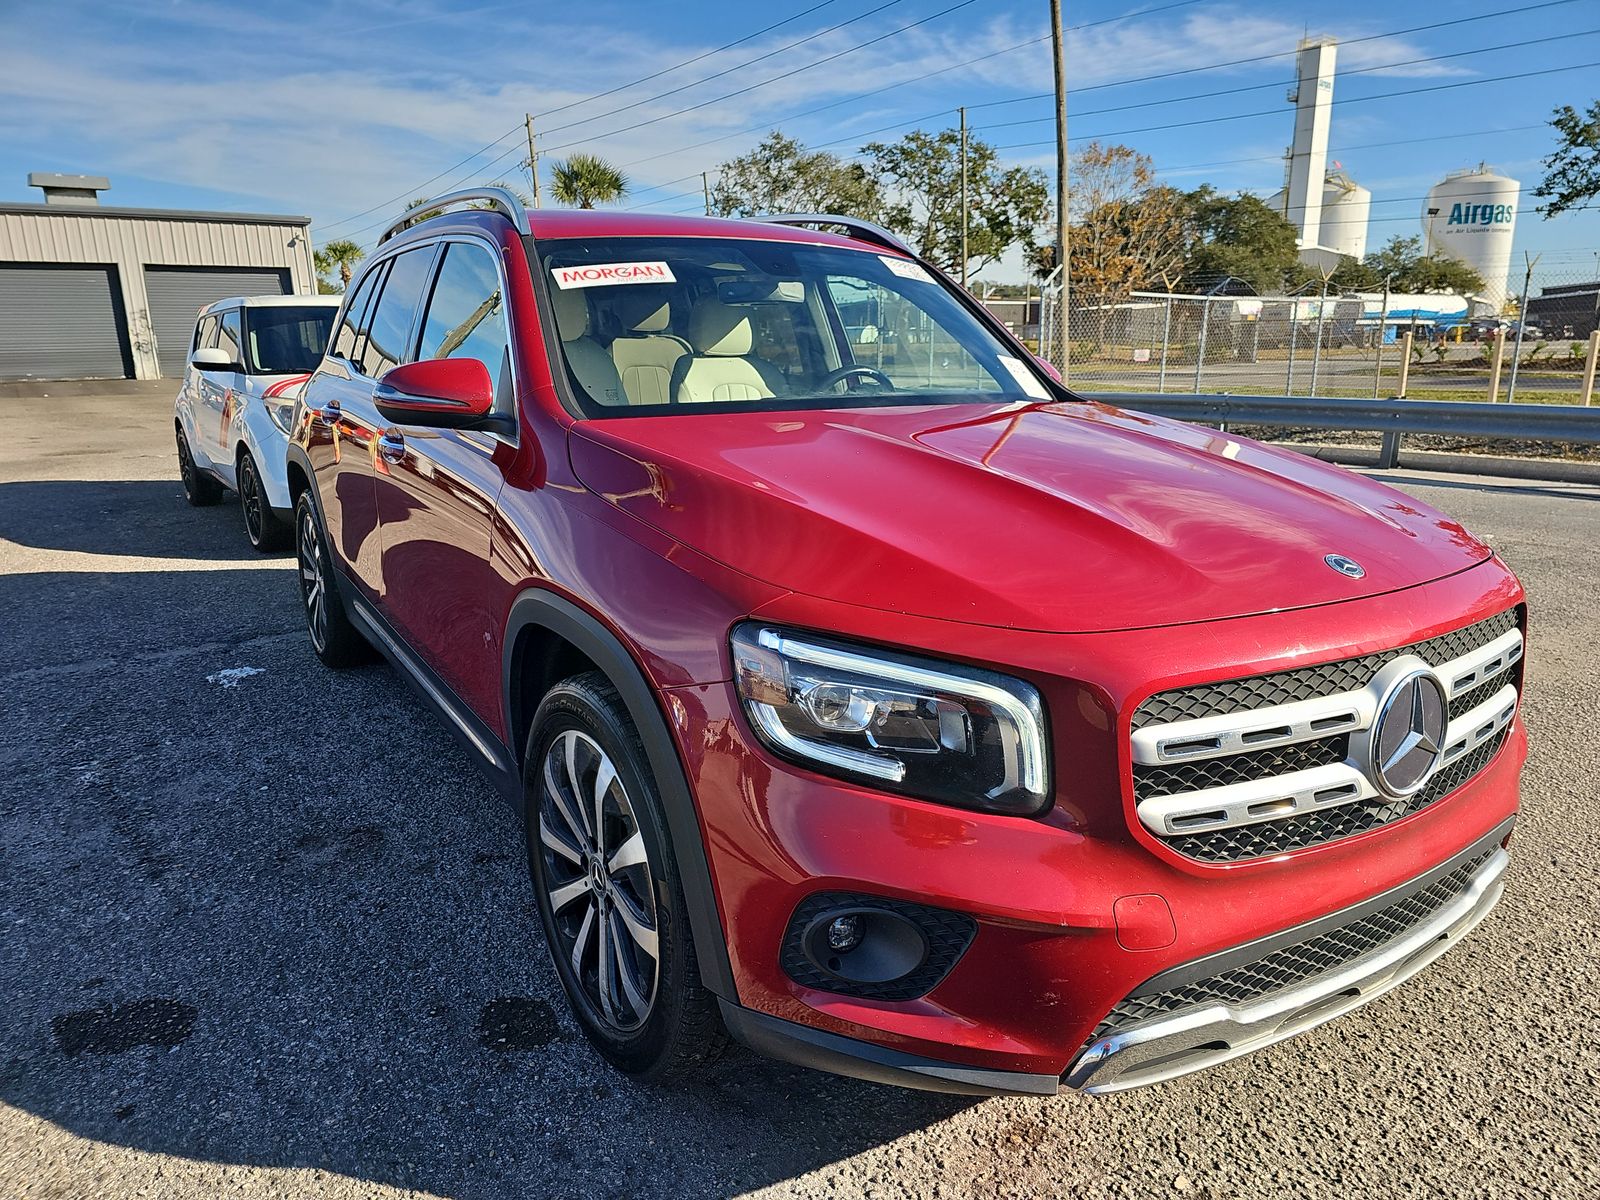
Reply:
x=264, y=931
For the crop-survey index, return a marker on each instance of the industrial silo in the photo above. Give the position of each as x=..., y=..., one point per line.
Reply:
x=1472, y=216
x=1346, y=206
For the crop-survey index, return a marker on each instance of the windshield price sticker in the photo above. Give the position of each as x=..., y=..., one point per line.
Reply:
x=1025, y=378
x=905, y=268
x=608, y=274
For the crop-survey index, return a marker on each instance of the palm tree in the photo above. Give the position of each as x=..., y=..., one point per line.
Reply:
x=340, y=255
x=585, y=180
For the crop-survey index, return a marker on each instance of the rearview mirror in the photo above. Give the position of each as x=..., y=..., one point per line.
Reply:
x=440, y=393
x=214, y=359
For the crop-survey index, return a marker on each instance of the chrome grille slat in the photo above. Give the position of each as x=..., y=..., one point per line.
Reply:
x=1264, y=778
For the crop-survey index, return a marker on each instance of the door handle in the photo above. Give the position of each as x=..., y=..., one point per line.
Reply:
x=392, y=446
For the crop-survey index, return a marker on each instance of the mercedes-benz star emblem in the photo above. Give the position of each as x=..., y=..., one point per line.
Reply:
x=1345, y=566
x=1408, y=736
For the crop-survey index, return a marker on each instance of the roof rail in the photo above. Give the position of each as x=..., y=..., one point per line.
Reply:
x=865, y=230
x=498, y=197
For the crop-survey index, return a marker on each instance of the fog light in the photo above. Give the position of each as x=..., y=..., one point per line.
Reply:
x=844, y=933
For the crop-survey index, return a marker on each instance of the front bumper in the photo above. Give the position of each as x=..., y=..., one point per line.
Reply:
x=1163, y=1047
x=1197, y=1037
x=1076, y=911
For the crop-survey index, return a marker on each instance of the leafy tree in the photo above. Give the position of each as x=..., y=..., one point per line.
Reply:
x=1239, y=236
x=1126, y=233
x=921, y=175
x=584, y=180
x=341, y=256
x=1572, y=172
x=781, y=175
x=1402, y=263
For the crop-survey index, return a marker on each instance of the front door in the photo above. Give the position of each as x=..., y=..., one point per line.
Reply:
x=437, y=490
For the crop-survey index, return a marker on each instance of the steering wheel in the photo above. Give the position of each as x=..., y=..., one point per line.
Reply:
x=844, y=373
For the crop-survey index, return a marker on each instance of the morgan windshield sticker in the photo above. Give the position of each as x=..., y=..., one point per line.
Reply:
x=608, y=274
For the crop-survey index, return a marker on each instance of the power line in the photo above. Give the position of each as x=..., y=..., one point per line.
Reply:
x=1256, y=87
x=573, y=104
x=858, y=96
x=1272, y=112
x=943, y=12
x=767, y=124
x=410, y=191
x=749, y=62
x=1258, y=58
x=688, y=62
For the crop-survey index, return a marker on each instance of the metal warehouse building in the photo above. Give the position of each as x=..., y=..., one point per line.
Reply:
x=89, y=291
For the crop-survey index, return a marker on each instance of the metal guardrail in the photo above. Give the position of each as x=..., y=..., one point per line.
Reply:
x=1392, y=418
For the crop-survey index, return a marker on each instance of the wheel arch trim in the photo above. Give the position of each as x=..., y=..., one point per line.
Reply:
x=542, y=609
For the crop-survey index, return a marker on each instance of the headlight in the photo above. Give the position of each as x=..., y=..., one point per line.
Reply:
x=942, y=732
x=282, y=415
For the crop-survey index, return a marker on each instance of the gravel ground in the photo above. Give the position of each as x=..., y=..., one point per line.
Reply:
x=264, y=932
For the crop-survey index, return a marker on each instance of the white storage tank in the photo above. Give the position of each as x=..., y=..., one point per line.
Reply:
x=1346, y=205
x=1471, y=216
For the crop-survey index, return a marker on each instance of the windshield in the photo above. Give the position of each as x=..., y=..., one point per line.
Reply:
x=650, y=325
x=286, y=340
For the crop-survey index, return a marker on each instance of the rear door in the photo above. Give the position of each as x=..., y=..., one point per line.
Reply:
x=219, y=392
x=437, y=490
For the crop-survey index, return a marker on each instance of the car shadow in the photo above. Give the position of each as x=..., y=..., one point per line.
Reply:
x=262, y=913
x=147, y=518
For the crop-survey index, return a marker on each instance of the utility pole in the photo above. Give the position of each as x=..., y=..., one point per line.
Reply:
x=1063, y=363
x=533, y=157
x=705, y=186
x=1522, y=324
x=963, y=113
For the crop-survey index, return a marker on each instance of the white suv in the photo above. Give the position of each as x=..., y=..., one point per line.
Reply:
x=249, y=359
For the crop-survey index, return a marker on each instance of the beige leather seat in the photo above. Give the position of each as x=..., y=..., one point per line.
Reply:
x=722, y=367
x=590, y=364
x=645, y=356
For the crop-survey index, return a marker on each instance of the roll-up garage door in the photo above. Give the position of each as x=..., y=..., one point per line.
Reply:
x=178, y=293
x=62, y=322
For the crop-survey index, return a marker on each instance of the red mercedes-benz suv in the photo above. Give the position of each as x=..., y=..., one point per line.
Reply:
x=871, y=697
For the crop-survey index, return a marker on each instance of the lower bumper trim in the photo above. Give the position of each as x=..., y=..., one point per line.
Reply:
x=824, y=1051
x=1194, y=1040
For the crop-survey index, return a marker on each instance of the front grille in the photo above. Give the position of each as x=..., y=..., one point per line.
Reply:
x=1292, y=965
x=1305, y=683
x=1301, y=829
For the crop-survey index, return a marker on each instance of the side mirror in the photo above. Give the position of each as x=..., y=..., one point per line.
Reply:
x=1048, y=367
x=213, y=358
x=440, y=393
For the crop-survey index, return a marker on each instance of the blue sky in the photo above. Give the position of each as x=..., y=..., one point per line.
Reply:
x=330, y=109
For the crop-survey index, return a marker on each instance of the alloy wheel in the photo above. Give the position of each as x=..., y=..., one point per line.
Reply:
x=598, y=881
x=185, y=464
x=313, y=583
x=250, y=498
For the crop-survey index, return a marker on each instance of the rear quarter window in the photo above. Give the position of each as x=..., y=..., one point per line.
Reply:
x=353, y=326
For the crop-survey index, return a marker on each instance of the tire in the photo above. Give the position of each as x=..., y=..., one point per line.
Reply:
x=266, y=532
x=202, y=490
x=334, y=639
x=651, y=1018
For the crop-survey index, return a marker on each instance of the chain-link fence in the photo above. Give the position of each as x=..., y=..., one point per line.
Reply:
x=1316, y=344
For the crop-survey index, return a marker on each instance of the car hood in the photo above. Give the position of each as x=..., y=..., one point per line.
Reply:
x=1063, y=517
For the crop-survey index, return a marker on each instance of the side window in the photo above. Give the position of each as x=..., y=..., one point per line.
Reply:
x=354, y=324
x=467, y=312
x=205, y=334
x=229, y=337
x=390, y=327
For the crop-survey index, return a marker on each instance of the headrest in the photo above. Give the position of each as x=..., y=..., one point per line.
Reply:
x=654, y=321
x=720, y=329
x=572, y=312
